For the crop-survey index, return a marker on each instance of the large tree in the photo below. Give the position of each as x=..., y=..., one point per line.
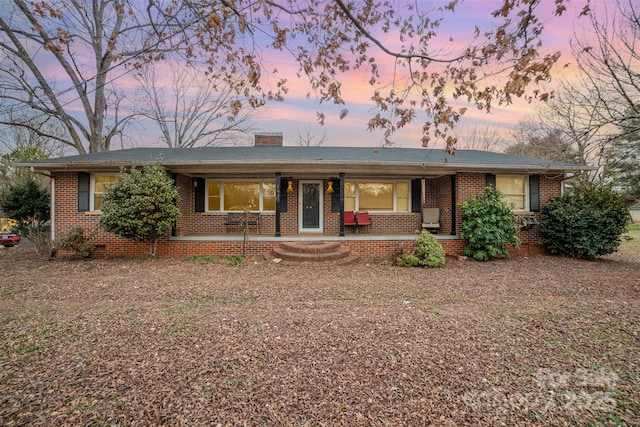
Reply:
x=62, y=60
x=607, y=51
x=599, y=110
x=431, y=66
x=532, y=138
x=191, y=107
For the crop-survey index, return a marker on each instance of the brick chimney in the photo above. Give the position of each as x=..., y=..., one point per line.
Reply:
x=273, y=139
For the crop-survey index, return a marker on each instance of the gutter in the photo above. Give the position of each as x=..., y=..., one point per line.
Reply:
x=280, y=165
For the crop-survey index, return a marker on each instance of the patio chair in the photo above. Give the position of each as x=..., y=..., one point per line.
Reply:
x=363, y=220
x=350, y=219
x=431, y=220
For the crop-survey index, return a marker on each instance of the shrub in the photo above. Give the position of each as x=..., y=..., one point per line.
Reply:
x=78, y=240
x=141, y=205
x=488, y=225
x=427, y=252
x=28, y=204
x=584, y=223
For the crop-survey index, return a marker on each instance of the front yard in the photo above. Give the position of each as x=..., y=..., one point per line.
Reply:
x=527, y=341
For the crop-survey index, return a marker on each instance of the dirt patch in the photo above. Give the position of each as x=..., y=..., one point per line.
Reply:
x=526, y=341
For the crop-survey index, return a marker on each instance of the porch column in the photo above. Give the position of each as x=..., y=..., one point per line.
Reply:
x=454, y=209
x=341, y=204
x=278, y=186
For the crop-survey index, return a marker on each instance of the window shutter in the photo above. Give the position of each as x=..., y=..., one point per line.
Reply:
x=490, y=180
x=416, y=195
x=534, y=193
x=84, y=184
x=200, y=194
x=335, y=196
x=284, y=195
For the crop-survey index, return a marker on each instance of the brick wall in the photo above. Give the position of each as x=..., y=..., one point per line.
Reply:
x=68, y=217
x=437, y=192
x=438, y=195
x=272, y=139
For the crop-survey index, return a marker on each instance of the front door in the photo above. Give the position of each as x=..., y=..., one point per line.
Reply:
x=310, y=208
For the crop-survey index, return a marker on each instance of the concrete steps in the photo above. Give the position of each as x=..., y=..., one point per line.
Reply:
x=312, y=252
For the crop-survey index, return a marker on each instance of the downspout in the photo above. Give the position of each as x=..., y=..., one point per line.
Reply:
x=454, y=208
x=53, y=210
x=341, y=204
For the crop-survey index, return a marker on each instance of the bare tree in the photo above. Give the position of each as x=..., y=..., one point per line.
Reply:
x=61, y=55
x=535, y=139
x=194, y=108
x=626, y=172
x=608, y=56
x=25, y=138
x=308, y=138
x=22, y=143
x=481, y=137
x=600, y=109
x=576, y=112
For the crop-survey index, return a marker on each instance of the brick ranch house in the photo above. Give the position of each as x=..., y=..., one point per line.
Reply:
x=301, y=194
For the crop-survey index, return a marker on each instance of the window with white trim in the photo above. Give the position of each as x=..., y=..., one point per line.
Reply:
x=377, y=196
x=514, y=190
x=99, y=184
x=236, y=196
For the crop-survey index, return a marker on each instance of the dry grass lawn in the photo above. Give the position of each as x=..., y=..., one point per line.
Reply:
x=526, y=341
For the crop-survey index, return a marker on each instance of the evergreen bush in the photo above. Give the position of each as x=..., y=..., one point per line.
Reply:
x=29, y=205
x=427, y=252
x=488, y=225
x=141, y=205
x=586, y=222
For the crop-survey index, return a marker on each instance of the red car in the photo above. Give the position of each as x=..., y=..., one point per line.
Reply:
x=8, y=239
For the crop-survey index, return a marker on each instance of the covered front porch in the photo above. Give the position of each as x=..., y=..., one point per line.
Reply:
x=308, y=206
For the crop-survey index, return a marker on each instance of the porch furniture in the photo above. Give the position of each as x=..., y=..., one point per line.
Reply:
x=237, y=219
x=350, y=219
x=431, y=220
x=362, y=219
x=357, y=219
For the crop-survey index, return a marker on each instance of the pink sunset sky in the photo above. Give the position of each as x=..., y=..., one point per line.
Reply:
x=297, y=115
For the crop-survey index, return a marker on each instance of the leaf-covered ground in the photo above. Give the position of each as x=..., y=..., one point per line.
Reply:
x=526, y=341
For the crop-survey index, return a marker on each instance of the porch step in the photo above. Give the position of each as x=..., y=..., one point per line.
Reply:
x=312, y=252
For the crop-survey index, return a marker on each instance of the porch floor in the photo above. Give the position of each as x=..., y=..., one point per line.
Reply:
x=304, y=237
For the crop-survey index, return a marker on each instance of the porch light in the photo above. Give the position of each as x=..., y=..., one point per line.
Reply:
x=290, y=187
x=330, y=187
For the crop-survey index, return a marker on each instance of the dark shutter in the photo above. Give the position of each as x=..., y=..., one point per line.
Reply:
x=490, y=180
x=200, y=194
x=284, y=184
x=335, y=196
x=416, y=195
x=84, y=184
x=534, y=193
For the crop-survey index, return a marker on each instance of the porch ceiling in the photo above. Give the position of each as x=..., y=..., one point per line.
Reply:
x=309, y=171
